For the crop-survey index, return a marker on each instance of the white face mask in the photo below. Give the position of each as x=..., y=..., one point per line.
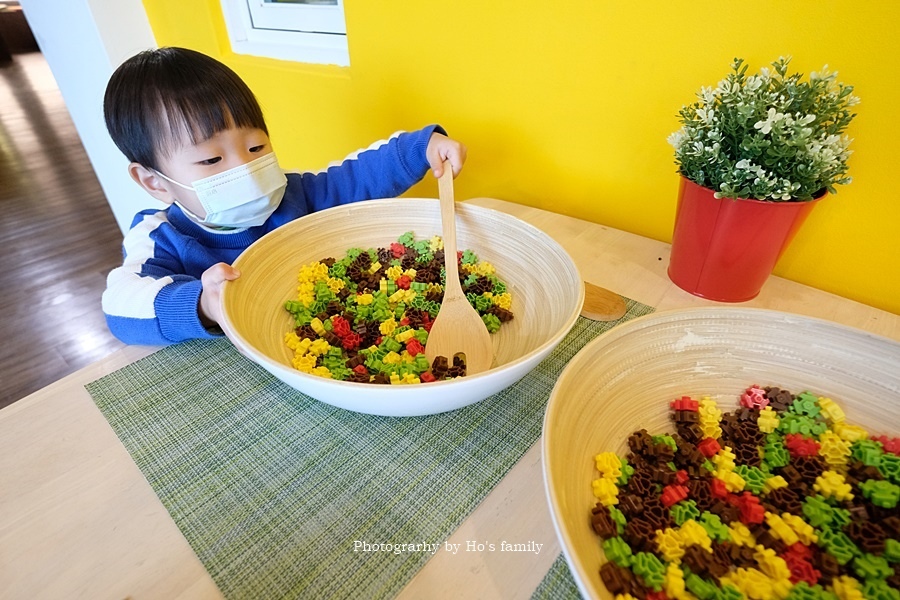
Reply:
x=244, y=196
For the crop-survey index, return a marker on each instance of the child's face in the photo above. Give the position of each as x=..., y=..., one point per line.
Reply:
x=191, y=162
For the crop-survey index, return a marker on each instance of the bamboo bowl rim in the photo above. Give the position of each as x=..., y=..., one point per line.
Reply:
x=624, y=379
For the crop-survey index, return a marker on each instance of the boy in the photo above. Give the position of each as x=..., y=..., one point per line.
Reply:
x=197, y=141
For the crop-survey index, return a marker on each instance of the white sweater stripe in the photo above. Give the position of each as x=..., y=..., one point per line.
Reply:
x=127, y=293
x=354, y=155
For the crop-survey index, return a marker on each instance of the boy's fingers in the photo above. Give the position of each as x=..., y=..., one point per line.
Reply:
x=219, y=273
x=437, y=165
x=454, y=163
x=454, y=160
x=457, y=156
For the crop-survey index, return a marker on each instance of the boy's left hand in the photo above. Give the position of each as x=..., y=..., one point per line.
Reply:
x=441, y=148
x=212, y=281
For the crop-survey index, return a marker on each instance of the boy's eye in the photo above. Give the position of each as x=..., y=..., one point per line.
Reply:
x=257, y=148
x=210, y=161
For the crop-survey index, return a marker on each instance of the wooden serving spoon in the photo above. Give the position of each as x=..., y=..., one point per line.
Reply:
x=458, y=328
x=600, y=304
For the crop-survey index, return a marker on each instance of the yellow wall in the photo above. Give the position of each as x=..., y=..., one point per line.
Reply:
x=566, y=105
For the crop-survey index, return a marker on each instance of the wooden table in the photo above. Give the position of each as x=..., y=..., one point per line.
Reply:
x=78, y=520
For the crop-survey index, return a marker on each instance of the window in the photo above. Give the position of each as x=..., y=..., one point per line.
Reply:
x=311, y=31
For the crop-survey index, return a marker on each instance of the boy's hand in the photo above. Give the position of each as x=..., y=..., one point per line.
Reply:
x=212, y=280
x=441, y=148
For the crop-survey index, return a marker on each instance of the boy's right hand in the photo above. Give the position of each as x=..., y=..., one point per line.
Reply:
x=441, y=148
x=212, y=281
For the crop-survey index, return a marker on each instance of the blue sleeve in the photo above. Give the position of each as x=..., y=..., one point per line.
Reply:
x=147, y=301
x=384, y=170
x=176, y=319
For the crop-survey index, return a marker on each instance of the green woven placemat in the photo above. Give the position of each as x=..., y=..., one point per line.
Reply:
x=558, y=583
x=278, y=494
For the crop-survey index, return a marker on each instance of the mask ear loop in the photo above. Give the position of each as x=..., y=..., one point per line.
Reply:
x=189, y=213
x=169, y=179
x=183, y=208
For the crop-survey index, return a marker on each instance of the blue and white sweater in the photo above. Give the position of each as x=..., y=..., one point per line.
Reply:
x=153, y=297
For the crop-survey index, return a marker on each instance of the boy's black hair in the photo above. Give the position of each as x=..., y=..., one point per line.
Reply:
x=158, y=97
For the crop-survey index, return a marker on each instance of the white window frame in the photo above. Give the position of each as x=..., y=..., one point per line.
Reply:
x=294, y=32
x=308, y=18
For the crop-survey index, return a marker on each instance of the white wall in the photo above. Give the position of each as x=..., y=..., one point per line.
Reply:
x=83, y=42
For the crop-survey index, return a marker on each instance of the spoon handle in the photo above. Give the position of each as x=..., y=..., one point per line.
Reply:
x=448, y=226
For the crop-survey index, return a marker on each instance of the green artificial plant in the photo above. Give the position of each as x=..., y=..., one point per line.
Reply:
x=770, y=136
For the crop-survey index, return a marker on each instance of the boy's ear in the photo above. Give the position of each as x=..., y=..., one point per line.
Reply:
x=150, y=181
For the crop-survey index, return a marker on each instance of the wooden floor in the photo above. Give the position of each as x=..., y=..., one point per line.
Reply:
x=58, y=237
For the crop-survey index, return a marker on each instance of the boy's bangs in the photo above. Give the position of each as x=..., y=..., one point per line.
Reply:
x=191, y=118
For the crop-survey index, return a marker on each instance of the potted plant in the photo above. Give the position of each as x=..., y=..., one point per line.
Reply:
x=755, y=155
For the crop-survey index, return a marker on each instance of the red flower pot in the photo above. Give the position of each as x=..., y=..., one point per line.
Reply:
x=724, y=249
